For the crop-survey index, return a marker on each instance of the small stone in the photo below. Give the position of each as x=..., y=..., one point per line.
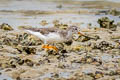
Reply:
x=89, y=60
x=29, y=62
x=105, y=22
x=118, y=71
x=15, y=74
x=43, y=23
x=86, y=77
x=98, y=75
x=0, y=73
x=24, y=27
x=47, y=79
x=59, y=6
x=5, y=26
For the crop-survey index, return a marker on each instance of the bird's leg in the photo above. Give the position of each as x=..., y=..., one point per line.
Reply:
x=50, y=47
x=45, y=45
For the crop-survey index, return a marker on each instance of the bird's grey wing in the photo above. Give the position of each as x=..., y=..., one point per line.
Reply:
x=44, y=31
x=62, y=33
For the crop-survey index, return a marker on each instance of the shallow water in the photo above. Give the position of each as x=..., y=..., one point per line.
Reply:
x=100, y=0
x=18, y=19
x=5, y=77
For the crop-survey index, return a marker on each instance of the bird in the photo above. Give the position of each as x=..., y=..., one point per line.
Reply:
x=53, y=35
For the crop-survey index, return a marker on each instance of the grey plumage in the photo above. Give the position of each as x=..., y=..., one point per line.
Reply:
x=46, y=33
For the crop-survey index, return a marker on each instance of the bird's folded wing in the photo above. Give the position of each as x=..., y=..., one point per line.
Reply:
x=43, y=31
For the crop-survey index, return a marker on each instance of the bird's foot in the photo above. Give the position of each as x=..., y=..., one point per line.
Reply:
x=48, y=47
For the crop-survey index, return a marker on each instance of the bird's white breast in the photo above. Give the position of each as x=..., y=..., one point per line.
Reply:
x=49, y=38
x=54, y=37
x=38, y=34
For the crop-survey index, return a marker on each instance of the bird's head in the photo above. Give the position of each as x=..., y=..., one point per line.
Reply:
x=73, y=29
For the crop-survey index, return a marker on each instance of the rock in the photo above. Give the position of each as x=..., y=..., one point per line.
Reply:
x=56, y=22
x=105, y=22
x=61, y=26
x=86, y=77
x=26, y=49
x=15, y=75
x=5, y=26
x=43, y=22
x=26, y=39
x=118, y=71
x=29, y=62
x=114, y=12
x=24, y=27
x=98, y=74
x=104, y=45
x=59, y=6
x=85, y=37
x=47, y=78
x=78, y=48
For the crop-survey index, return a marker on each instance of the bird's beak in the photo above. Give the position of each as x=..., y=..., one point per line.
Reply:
x=80, y=33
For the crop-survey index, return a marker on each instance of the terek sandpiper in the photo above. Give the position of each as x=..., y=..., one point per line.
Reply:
x=53, y=35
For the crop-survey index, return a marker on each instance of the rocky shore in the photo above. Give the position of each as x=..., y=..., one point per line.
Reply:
x=93, y=54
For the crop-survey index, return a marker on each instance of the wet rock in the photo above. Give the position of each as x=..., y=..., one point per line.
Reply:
x=28, y=40
x=59, y=6
x=86, y=77
x=78, y=48
x=94, y=37
x=1, y=46
x=61, y=26
x=98, y=75
x=23, y=39
x=103, y=45
x=5, y=26
x=118, y=24
x=114, y=12
x=0, y=73
x=60, y=46
x=56, y=22
x=12, y=62
x=43, y=22
x=85, y=37
x=105, y=22
x=18, y=60
x=29, y=62
x=47, y=78
x=55, y=75
x=88, y=59
x=26, y=49
x=68, y=43
x=24, y=27
x=15, y=75
x=118, y=71
x=7, y=41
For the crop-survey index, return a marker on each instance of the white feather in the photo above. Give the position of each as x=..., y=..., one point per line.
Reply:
x=50, y=38
x=38, y=34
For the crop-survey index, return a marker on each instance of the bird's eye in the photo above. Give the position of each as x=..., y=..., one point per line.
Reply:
x=75, y=28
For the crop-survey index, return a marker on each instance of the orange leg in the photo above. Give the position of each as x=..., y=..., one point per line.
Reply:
x=48, y=47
